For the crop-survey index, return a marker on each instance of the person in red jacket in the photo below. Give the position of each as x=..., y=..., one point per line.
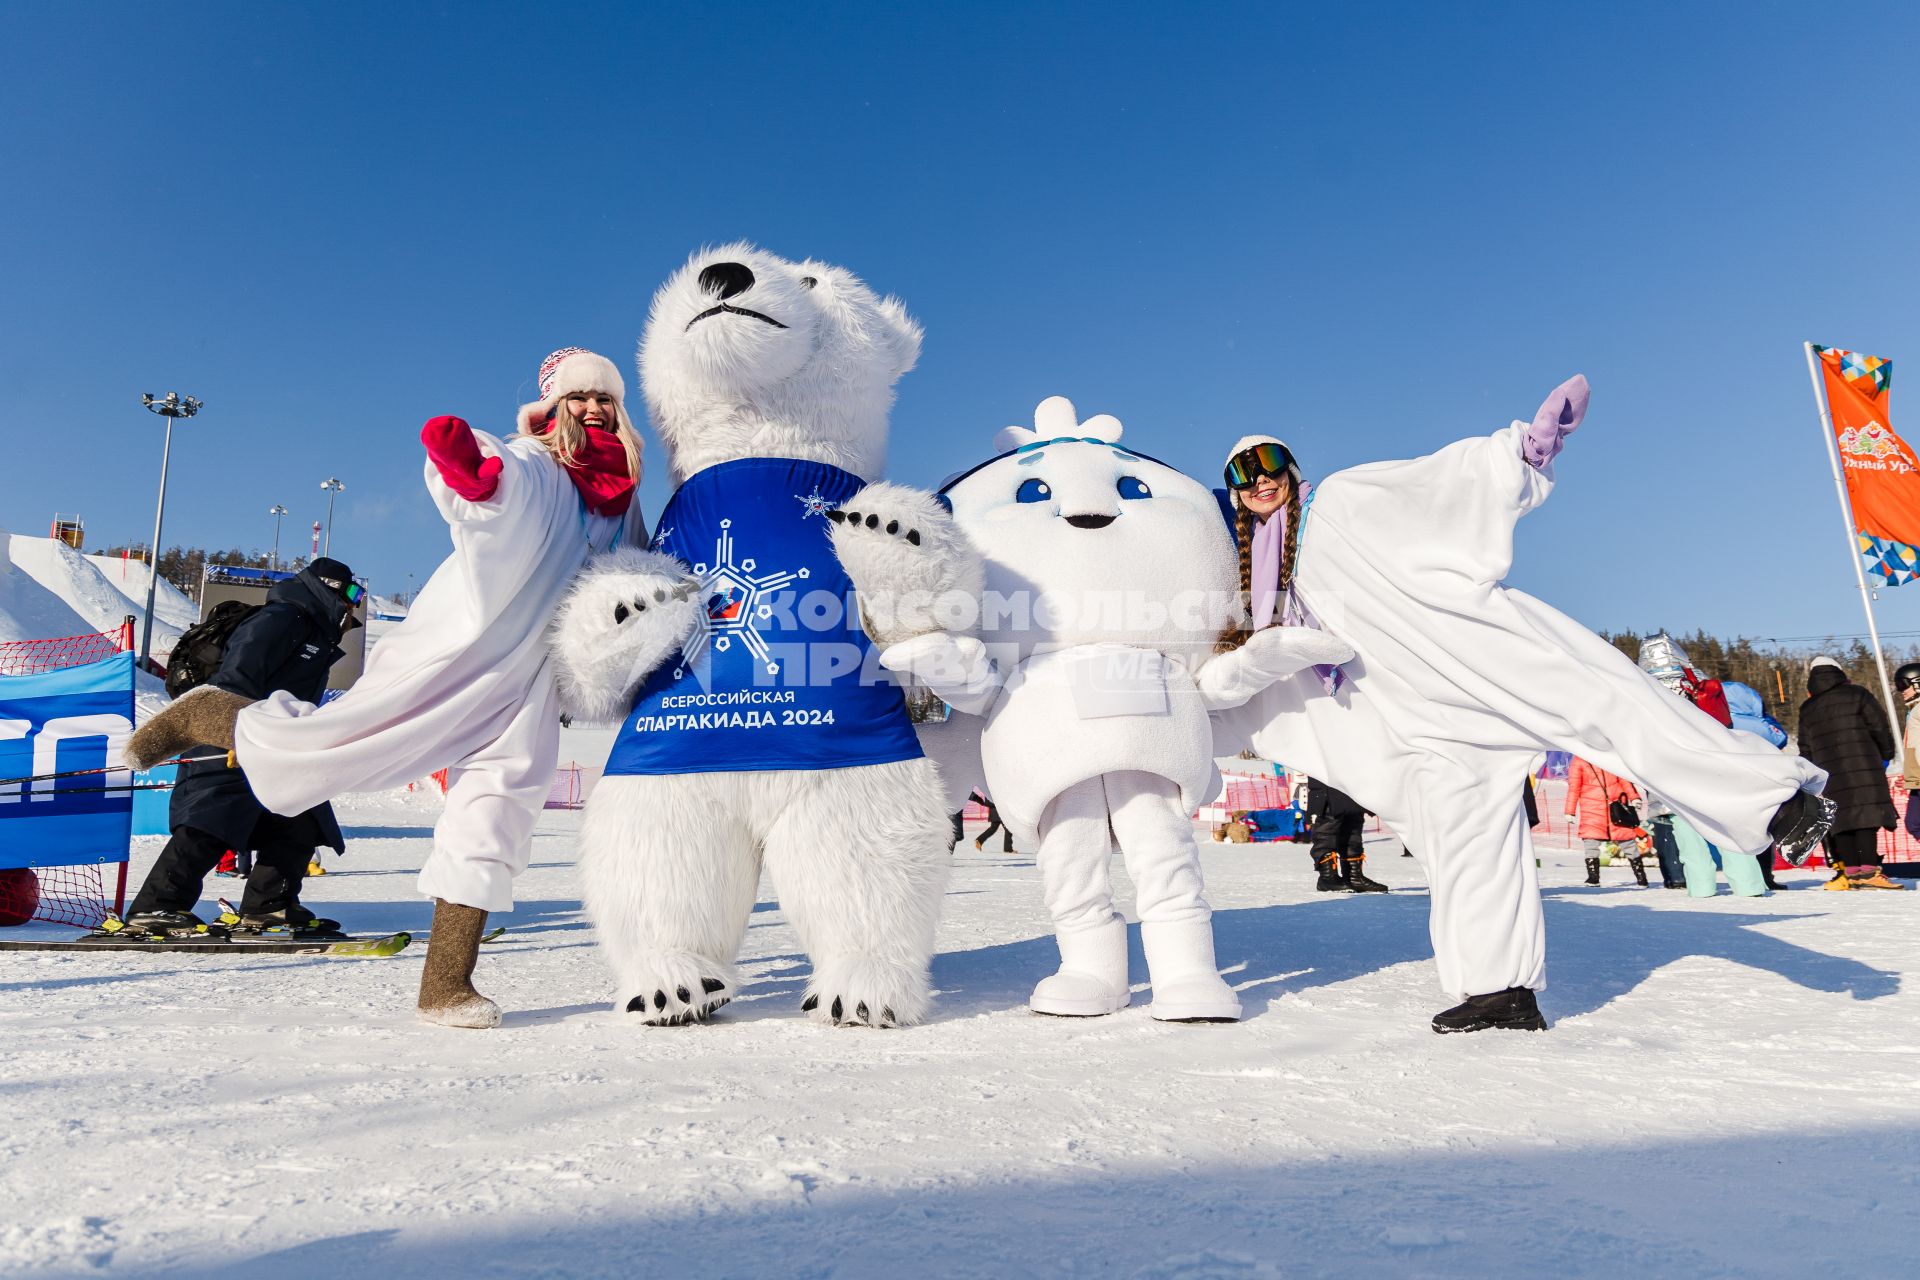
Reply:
x=1592, y=793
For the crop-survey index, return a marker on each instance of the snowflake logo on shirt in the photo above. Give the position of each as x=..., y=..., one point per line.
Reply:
x=814, y=504
x=738, y=604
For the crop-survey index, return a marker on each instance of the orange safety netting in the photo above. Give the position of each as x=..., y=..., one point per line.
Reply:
x=31, y=657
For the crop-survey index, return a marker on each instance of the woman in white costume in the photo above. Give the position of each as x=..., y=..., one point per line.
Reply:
x=1460, y=683
x=464, y=683
x=1096, y=680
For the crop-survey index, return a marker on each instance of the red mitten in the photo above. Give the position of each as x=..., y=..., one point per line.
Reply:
x=456, y=454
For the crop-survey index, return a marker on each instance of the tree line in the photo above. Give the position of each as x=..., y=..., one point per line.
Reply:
x=185, y=567
x=1779, y=676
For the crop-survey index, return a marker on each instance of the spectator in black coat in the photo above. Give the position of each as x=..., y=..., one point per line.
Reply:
x=289, y=644
x=1844, y=730
x=1339, y=845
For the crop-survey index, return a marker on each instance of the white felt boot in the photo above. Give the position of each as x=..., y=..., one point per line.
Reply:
x=1092, y=979
x=1186, y=985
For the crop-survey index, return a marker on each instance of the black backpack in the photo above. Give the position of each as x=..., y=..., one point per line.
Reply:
x=197, y=654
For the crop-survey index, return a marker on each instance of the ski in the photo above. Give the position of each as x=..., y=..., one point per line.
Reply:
x=112, y=768
x=342, y=948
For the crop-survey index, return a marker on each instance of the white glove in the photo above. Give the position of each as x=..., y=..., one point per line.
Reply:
x=955, y=667
x=1229, y=679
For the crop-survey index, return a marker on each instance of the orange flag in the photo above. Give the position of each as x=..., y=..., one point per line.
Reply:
x=1882, y=472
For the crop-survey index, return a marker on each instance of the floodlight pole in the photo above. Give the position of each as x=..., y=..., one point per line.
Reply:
x=333, y=487
x=173, y=406
x=277, y=512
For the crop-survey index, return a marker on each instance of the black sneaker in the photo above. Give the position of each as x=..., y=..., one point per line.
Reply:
x=1799, y=823
x=1514, y=1009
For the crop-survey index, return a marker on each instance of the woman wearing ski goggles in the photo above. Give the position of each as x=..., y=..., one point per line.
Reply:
x=1268, y=458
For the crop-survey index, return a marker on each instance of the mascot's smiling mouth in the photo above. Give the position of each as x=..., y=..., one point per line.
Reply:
x=729, y=309
x=1090, y=522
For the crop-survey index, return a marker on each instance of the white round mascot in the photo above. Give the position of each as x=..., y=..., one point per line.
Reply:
x=758, y=726
x=1108, y=583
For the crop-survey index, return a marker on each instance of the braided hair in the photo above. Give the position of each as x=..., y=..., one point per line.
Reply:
x=1244, y=524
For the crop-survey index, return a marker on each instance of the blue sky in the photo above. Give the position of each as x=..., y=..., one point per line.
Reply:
x=1368, y=228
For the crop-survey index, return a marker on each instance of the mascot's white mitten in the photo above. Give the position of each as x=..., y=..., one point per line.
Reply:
x=1229, y=679
x=912, y=569
x=629, y=611
x=956, y=668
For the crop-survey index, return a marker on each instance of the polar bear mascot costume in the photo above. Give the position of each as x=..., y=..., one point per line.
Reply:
x=1461, y=682
x=758, y=725
x=1109, y=580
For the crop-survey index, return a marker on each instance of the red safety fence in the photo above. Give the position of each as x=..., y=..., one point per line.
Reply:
x=1896, y=845
x=571, y=782
x=32, y=657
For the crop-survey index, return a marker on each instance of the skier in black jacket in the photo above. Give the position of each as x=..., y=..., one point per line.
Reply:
x=1844, y=730
x=289, y=644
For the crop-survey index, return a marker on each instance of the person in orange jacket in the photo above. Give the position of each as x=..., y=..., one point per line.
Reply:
x=1591, y=794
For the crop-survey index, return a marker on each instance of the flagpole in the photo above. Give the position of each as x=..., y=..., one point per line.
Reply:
x=1853, y=539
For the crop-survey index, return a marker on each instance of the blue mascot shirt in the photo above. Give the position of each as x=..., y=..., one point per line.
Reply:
x=780, y=676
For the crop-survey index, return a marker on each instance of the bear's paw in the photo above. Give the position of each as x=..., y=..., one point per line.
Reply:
x=868, y=991
x=912, y=568
x=629, y=611
x=674, y=988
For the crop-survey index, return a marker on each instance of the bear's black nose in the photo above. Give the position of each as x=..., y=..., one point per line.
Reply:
x=726, y=280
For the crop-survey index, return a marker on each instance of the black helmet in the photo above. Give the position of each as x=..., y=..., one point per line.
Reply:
x=1906, y=675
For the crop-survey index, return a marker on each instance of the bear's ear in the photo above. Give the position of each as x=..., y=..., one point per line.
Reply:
x=902, y=334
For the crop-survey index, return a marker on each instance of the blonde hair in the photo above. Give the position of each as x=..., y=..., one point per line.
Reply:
x=1243, y=527
x=566, y=435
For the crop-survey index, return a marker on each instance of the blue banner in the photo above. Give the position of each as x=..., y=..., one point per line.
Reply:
x=72, y=719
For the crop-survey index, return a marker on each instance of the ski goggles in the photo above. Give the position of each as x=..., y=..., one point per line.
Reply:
x=1248, y=465
x=351, y=592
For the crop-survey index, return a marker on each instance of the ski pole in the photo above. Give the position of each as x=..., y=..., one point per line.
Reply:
x=112, y=768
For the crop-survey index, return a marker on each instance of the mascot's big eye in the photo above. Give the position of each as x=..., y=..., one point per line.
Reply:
x=808, y=281
x=1034, y=490
x=1132, y=487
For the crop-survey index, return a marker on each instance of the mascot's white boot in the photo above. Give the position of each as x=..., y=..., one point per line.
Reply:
x=756, y=731
x=1187, y=986
x=1092, y=978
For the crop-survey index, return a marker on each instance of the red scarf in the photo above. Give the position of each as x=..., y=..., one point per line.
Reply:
x=599, y=472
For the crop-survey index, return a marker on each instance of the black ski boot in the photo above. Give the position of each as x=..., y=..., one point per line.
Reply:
x=1514, y=1009
x=1639, y=871
x=1356, y=875
x=165, y=924
x=296, y=921
x=1593, y=871
x=1330, y=881
x=1799, y=823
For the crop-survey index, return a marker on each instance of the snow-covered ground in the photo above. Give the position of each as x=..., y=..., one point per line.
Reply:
x=1731, y=1087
